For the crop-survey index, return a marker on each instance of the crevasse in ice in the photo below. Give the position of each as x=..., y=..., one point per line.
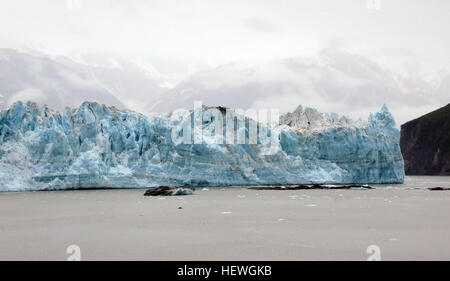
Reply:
x=95, y=146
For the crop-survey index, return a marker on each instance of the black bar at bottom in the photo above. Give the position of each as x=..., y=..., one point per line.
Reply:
x=258, y=270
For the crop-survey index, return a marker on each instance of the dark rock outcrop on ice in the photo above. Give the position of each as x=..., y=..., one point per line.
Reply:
x=169, y=191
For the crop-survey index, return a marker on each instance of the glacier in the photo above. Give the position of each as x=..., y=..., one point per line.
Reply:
x=96, y=146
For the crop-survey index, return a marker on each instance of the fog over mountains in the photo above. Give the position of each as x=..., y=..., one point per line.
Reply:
x=333, y=81
x=61, y=82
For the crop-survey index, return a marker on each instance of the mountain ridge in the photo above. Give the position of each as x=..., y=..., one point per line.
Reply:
x=425, y=143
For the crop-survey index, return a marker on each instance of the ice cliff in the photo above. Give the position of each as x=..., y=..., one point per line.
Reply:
x=95, y=146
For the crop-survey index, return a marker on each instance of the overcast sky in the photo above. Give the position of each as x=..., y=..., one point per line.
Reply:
x=212, y=32
x=181, y=37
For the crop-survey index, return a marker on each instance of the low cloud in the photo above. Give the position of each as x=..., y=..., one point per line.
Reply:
x=260, y=25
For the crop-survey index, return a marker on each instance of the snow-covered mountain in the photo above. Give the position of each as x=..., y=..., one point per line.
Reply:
x=336, y=80
x=61, y=82
x=130, y=83
x=36, y=78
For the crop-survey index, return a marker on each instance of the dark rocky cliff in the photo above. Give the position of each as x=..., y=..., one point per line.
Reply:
x=425, y=143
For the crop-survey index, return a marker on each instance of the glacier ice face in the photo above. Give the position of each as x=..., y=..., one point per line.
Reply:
x=95, y=146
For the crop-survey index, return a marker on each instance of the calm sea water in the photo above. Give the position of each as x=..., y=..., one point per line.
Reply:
x=419, y=182
x=411, y=182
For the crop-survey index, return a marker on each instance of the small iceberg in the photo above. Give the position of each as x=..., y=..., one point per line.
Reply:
x=169, y=191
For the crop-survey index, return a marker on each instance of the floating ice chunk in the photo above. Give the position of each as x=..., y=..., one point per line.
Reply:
x=358, y=188
x=169, y=191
